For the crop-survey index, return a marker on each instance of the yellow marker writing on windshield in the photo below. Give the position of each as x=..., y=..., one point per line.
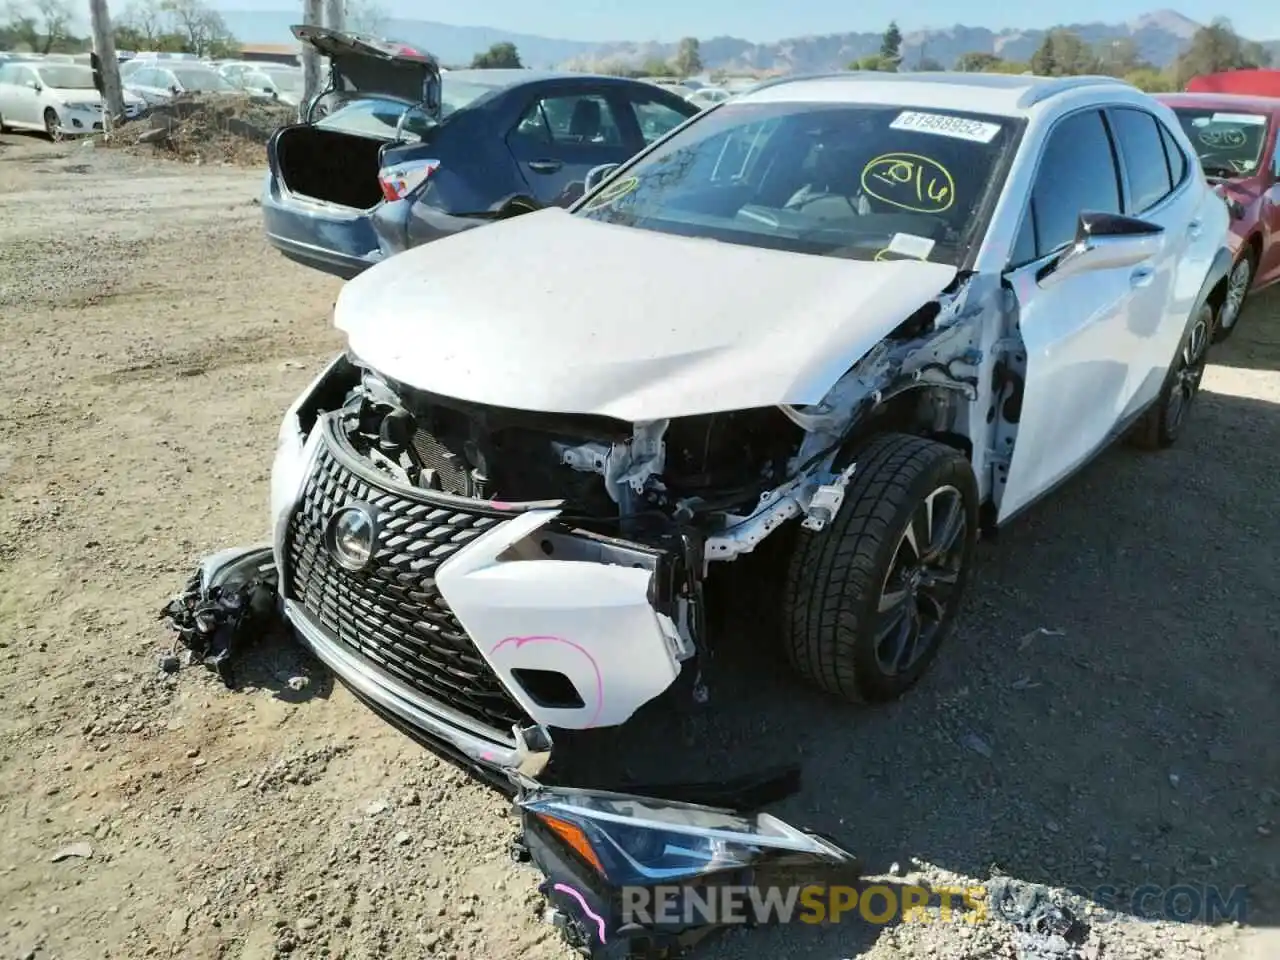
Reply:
x=612, y=193
x=910, y=181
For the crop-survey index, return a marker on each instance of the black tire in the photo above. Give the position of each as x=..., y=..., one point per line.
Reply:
x=3, y=126
x=838, y=576
x=1162, y=425
x=1242, y=273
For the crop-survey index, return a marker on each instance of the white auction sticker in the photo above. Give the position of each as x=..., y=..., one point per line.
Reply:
x=909, y=245
x=1252, y=119
x=945, y=126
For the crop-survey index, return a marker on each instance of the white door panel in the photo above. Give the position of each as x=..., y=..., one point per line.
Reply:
x=1078, y=356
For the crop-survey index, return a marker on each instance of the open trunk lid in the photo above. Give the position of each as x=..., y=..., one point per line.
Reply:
x=365, y=65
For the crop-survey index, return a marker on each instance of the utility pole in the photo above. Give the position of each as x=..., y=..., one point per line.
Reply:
x=105, y=46
x=335, y=14
x=312, y=15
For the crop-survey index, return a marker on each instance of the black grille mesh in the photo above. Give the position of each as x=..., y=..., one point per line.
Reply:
x=391, y=613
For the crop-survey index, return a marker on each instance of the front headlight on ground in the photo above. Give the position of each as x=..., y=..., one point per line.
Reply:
x=634, y=840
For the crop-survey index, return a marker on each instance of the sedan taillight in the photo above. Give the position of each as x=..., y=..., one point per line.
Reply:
x=401, y=180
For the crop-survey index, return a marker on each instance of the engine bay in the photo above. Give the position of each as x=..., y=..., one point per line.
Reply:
x=606, y=473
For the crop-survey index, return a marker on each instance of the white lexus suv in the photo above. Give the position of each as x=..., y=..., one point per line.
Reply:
x=865, y=317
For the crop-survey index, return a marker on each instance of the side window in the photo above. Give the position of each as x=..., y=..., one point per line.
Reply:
x=1146, y=170
x=1177, y=159
x=655, y=119
x=1077, y=174
x=144, y=77
x=571, y=121
x=1024, y=245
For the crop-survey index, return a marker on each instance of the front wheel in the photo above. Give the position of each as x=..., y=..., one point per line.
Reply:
x=1239, y=280
x=52, y=125
x=869, y=600
x=1162, y=425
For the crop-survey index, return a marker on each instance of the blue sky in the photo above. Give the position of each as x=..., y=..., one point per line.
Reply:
x=763, y=20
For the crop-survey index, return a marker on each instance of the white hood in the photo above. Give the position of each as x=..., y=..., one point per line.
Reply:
x=560, y=314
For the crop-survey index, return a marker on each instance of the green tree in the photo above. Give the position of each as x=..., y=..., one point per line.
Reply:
x=1152, y=80
x=1063, y=54
x=654, y=67
x=42, y=27
x=202, y=28
x=500, y=56
x=891, y=46
x=978, y=61
x=1119, y=58
x=873, y=61
x=1215, y=48
x=688, y=58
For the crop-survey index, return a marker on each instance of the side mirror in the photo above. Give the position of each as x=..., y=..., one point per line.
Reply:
x=1104, y=241
x=37, y=86
x=596, y=175
x=175, y=89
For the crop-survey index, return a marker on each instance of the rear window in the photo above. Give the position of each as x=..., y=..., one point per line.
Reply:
x=377, y=116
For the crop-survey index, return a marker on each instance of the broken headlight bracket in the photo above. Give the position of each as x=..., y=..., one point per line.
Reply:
x=605, y=855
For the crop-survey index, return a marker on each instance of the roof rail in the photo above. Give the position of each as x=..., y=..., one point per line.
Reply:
x=793, y=77
x=1041, y=92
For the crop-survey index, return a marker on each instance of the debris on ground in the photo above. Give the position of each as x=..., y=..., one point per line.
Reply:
x=228, y=600
x=77, y=850
x=1045, y=930
x=202, y=128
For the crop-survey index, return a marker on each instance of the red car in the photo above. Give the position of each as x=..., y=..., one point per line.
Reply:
x=1235, y=137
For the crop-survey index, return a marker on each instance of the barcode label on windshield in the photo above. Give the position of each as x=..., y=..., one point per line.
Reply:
x=945, y=126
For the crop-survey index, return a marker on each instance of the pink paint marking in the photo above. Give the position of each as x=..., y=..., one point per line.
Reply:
x=582, y=902
x=521, y=641
x=503, y=505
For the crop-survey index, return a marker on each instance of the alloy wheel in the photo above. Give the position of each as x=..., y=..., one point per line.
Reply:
x=1189, y=373
x=53, y=126
x=922, y=577
x=1237, y=289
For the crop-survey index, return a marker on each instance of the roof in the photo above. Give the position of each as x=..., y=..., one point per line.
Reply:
x=1228, y=101
x=1001, y=94
x=509, y=77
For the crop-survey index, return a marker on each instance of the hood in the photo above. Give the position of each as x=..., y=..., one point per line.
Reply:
x=560, y=314
x=368, y=65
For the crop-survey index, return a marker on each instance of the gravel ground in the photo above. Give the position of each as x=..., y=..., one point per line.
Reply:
x=1105, y=714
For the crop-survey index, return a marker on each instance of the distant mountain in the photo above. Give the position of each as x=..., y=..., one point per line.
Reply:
x=1159, y=37
x=452, y=45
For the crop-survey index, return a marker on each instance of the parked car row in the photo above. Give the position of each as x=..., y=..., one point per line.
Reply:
x=857, y=320
x=56, y=98
x=378, y=172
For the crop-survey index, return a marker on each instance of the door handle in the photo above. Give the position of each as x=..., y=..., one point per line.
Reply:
x=545, y=166
x=1142, y=276
x=1193, y=229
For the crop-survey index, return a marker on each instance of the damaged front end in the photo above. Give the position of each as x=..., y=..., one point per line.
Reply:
x=484, y=575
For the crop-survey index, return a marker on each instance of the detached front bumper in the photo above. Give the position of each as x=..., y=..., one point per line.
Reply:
x=474, y=623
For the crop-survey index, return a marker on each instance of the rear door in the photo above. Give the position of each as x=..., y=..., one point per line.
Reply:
x=1159, y=190
x=565, y=131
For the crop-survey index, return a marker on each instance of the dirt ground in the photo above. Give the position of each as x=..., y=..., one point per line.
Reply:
x=1106, y=713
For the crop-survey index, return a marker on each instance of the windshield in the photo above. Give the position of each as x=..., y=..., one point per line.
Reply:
x=1229, y=144
x=204, y=80
x=66, y=78
x=855, y=181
